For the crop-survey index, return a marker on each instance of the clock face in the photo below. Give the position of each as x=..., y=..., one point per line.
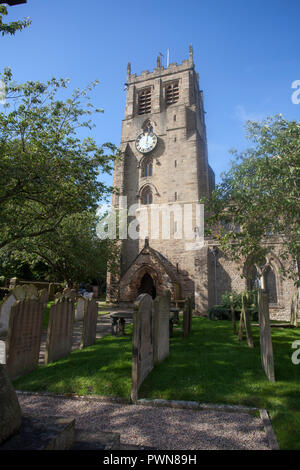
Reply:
x=146, y=142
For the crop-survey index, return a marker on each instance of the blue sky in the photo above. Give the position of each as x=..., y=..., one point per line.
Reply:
x=246, y=52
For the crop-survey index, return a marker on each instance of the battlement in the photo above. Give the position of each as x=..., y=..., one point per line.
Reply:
x=160, y=70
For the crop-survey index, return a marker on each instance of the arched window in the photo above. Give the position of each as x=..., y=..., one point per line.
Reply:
x=147, y=196
x=147, y=169
x=254, y=278
x=270, y=282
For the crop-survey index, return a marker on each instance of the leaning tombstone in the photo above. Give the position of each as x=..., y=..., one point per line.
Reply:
x=10, y=412
x=266, y=346
x=89, y=324
x=60, y=329
x=161, y=334
x=80, y=308
x=5, y=309
x=142, y=342
x=24, y=337
x=25, y=431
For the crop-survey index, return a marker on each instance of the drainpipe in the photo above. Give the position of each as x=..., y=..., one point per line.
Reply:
x=214, y=253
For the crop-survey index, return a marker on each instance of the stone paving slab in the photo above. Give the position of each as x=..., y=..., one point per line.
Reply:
x=160, y=428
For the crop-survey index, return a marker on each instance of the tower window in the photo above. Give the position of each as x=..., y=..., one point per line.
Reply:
x=175, y=163
x=147, y=168
x=175, y=197
x=172, y=93
x=147, y=197
x=144, y=101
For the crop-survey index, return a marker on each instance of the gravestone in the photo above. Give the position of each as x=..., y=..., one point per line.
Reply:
x=51, y=291
x=10, y=412
x=266, y=346
x=187, y=317
x=142, y=342
x=161, y=335
x=89, y=324
x=5, y=308
x=29, y=432
x=43, y=295
x=80, y=308
x=24, y=337
x=70, y=293
x=19, y=292
x=60, y=328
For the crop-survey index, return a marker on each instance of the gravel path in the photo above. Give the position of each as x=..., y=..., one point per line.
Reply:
x=160, y=428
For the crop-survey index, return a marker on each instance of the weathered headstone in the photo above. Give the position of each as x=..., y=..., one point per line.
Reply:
x=5, y=308
x=89, y=324
x=43, y=295
x=142, y=343
x=13, y=282
x=70, y=293
x=10, y=412
x=19, y=292
x=60, y=328
x=80, y=308
x=187, y=317
x=51, y=291
x=161, y=326
x=24, y=337
x=266, y=346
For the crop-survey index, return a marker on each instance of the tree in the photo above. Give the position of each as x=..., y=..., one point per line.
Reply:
x=71, y=253
x=11, y=28
x=46, y=172
x=260, y=195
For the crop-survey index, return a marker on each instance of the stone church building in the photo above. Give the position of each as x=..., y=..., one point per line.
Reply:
x=165, y=164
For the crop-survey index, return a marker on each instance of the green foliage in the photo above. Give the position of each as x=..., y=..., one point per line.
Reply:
x=50, y=181
x=223, y=311
x=3, y=292
x=260, y=194
x=72, y=252
x=12, y=27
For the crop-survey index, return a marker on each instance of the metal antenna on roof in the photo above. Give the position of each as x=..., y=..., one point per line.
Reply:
x=168, y=57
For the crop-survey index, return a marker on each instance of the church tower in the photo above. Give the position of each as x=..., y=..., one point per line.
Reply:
x=164, y=164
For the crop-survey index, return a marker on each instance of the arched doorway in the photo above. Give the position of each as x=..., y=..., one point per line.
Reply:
x=147, y=286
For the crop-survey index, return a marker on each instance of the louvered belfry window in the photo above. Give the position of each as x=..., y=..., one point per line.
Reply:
x=172, y=93
x=145, y=101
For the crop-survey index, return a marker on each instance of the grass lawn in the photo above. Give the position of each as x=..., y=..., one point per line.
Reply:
x=209, y=366
x=46, y=315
